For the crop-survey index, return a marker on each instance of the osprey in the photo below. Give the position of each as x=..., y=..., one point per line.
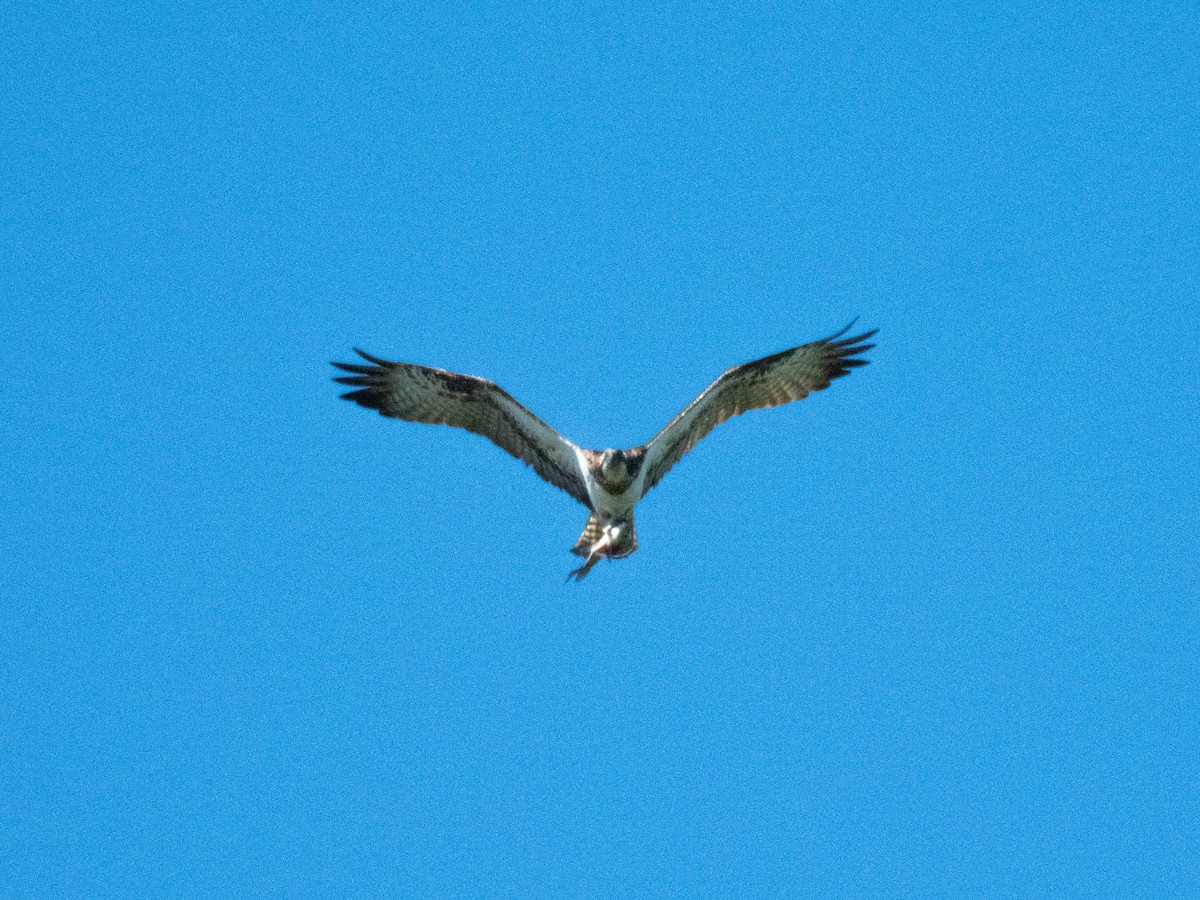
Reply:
x=608, y=482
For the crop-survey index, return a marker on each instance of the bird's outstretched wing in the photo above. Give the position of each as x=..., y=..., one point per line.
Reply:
x=438, y=397
x=770, y=381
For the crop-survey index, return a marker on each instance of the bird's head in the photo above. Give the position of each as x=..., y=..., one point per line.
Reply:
x=617, y=469
x=612, y=464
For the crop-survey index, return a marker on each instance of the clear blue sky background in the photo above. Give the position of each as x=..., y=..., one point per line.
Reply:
x=931, y=632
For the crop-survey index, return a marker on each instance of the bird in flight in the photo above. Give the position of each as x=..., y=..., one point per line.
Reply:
x=608, y=482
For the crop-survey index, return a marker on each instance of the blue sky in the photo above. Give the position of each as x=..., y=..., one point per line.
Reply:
x=931, y=632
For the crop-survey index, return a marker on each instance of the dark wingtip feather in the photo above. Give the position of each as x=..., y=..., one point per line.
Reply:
x=387, y=364
x=355, y=368
x=368, y=397
x=834, y=337
x=369, y=377
x=851, y=341
x=844, y=354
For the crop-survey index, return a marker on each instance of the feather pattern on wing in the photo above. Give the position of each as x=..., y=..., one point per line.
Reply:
x=770, y=381
x=438, y=397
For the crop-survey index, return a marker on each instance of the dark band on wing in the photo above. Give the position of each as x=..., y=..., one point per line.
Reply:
x=438, y=396
x=771, y=381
